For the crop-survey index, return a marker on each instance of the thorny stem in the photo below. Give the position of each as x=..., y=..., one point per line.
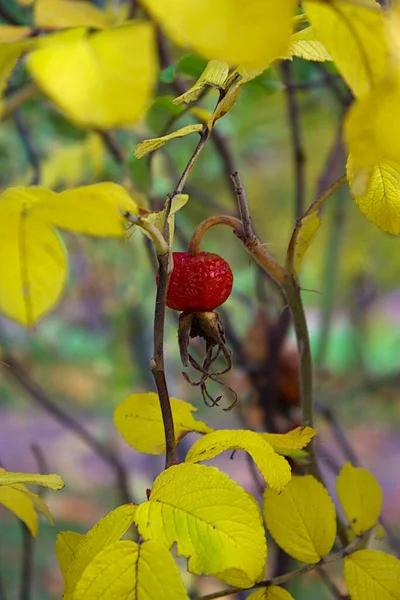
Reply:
x=281, y=579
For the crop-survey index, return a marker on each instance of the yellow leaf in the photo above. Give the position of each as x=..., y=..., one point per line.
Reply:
x=22, y=502
x=66, y=544
x=107, y=531
x=214, y=75
x=380, y=532
x=372, y=575
x=37, y=502
x=372, y=127
x=270, y=593
x=214, y=522
x=254, y=32
x=305, y=44
x=78, y=156
x=355, y=36
x=147, y=146
x=301, y=519
x=54, y=482
x=274, y=468
x=93, y=209
x=9, y=55
x=126, y=570
x=292, y=440
x=361, y=497
x=60, y=14
x=12, y=33
x=139, y=421
x=21, y=506
x=376, y=191
x=302, y=237
x=109, y=75
x=232, y=94
x=306, y=228
x=33, y=276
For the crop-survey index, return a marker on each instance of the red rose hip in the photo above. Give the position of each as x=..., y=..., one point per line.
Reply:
x=199, y=283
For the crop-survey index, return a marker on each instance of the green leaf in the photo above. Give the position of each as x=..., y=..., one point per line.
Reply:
x=107, y=531
x=168, y=75
x=191, y=64
x=126, y=570
x=214, y=522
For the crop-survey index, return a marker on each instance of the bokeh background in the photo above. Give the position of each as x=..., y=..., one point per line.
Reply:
x=94, y=349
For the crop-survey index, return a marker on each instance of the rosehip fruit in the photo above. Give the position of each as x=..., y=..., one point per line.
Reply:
x=199, y=283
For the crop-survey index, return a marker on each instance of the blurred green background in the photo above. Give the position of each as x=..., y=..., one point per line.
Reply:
x=94, y=348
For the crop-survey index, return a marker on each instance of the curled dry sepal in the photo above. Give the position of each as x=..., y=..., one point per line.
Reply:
x=198, y=284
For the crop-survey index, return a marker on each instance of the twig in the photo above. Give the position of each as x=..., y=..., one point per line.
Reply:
x=27, y=563
x=330, y=584
x=297, y=147
x=13, y=368
x=17, y=99
x=134, y=5
x=186, y=172
x=338, y=432
x=30, y=149
x=2, y=588
x=335, y=163
x=281, y=579
x=243, y=206
x=28, y=541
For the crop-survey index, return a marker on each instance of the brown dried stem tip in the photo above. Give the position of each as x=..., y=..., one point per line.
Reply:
x=209, y=326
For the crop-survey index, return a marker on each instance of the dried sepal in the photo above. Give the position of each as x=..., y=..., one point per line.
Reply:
x=208, y=326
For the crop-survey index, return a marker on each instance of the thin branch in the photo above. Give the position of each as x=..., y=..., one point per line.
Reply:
x=27, y=563
x=334, y=164
x=2, y=588
x=17, y=99
x=297, y=146
x=133, y=8
x=338, y=432
x=31, y=152
x=330, y=584
x=281, y=579
x=38, y=395
x=243, y=206
x=186, y=172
